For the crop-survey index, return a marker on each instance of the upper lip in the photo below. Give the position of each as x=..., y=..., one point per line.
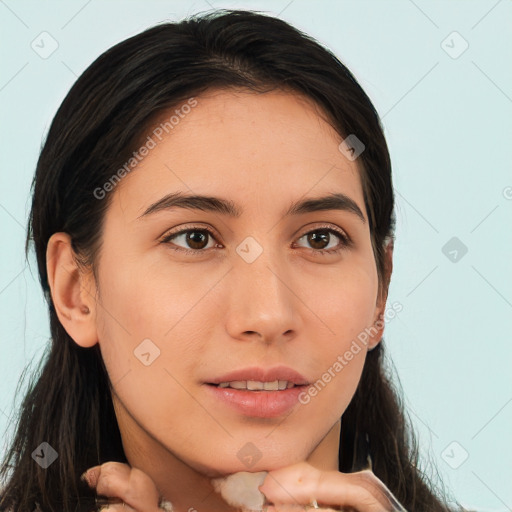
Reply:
x=263, y=375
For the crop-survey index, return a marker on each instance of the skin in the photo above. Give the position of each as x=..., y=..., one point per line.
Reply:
x=211, y=313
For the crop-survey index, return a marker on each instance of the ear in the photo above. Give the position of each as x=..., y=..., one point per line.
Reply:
x=377, y=329
x=72, y=290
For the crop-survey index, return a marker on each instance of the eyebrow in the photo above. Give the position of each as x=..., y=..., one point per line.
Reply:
x=334, y=201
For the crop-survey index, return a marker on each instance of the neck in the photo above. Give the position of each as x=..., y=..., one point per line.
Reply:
x=325, y=455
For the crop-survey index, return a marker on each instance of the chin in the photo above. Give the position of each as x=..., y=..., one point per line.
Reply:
x=229, y=467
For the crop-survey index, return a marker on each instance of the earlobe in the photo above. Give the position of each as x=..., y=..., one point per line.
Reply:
x=377, y=329
x=71, y=291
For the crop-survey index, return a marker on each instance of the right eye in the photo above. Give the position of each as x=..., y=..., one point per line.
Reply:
x=194, y=237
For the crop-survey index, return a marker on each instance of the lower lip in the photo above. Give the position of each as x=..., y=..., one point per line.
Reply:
x=260, y=404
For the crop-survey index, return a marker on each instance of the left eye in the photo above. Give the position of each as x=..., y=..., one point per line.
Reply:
x=196, y=239
x=322, y=235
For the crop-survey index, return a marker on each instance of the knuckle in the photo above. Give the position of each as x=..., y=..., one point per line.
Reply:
x=106, y=484
x=141, y=487
x=111, y=485
x=366, y=477
x=309, y=472
x=113, y=467
x=138, y=475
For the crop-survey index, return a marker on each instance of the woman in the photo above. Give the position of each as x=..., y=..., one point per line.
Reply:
x=213, y=222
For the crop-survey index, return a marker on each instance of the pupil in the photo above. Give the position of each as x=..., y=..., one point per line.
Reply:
x=193, y=240
x=313, y=239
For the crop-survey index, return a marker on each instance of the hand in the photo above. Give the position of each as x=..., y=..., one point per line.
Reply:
x=301, y=484
x=130, y=485
x=287, y=488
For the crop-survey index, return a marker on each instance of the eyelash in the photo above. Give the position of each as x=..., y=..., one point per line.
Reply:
x=345, y=243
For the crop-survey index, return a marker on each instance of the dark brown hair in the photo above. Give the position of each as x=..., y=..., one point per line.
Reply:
x=106, y=112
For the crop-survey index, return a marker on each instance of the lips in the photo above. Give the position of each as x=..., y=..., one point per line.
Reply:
x=279, y=373
x=257, y=402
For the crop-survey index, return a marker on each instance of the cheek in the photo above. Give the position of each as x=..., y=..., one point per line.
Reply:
x=348, y=310
x=143, y=307
x=159, y=313
x=348, y=303
x=149, y=296
x=149, y=340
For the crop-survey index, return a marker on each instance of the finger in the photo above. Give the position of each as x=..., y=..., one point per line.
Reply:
x=296, y=484
x=301, y=483
x=112, y=504
x=117, y=508
x=303, y=508
x=285, y=508
x=134, y=487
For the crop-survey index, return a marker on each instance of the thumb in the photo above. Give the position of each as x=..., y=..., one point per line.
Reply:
x=91, y=475
x=121, y=483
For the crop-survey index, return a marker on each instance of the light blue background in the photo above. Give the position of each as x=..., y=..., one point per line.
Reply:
x=449, y=129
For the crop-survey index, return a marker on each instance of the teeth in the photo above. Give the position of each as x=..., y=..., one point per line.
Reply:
x=255, y=385
x=271, y=386
x=238, y=384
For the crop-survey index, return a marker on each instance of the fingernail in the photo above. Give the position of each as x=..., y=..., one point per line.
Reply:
x=91, y=476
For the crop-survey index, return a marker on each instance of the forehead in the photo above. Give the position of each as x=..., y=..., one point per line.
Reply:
x=270, y=147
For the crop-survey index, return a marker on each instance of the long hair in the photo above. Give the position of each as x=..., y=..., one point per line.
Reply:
x=103, y=118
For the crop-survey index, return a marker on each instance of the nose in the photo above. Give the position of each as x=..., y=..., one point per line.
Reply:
x=262, y=302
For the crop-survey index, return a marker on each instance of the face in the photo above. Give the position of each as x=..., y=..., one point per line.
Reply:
x=190, y=295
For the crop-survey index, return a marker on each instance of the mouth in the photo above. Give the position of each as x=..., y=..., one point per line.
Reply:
x=255, y=385
x=258, y=392
x=259, y=403
x=257, y=399
x=256, y=378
